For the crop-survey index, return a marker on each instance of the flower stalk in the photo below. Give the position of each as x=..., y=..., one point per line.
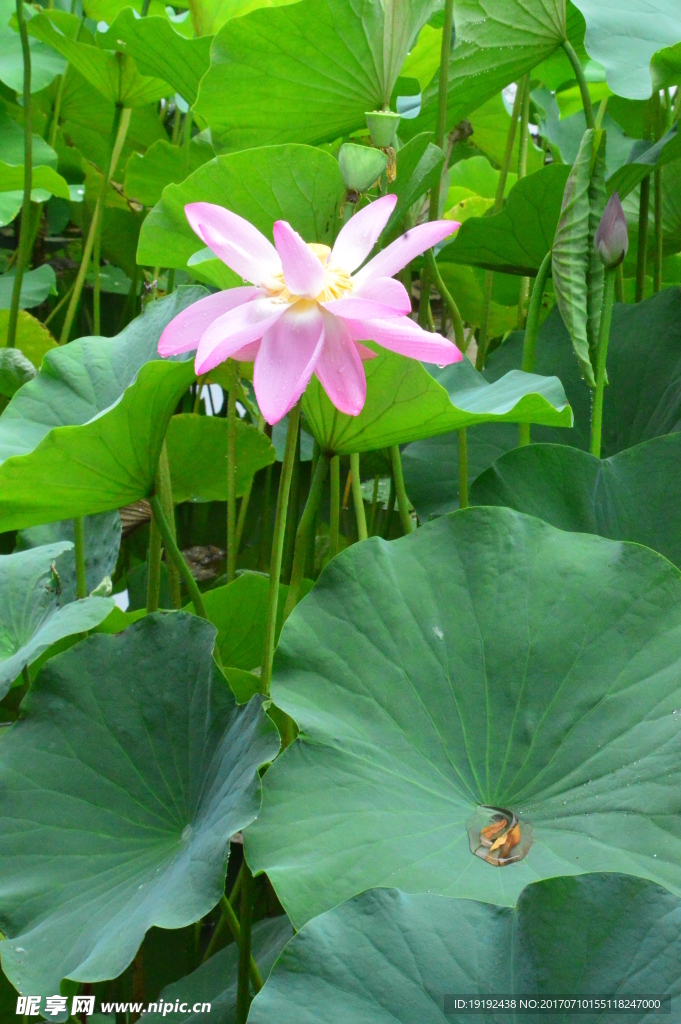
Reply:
x=400, y=490
x=79, y=552
x=25, y=235
x=232, y=416
x=602, y=355
x=357, y=498
x=305, y=531
x=532, y=329
x=278, y=547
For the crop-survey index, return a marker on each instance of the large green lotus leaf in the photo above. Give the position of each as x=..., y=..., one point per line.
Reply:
x=431, y=466
x=158, y=50
x=623, y=35
x=517, y=239
x=213, y=14
x=45, y=63
x=34, y=613
x=45, y=178
x=405, y=402
x=215, y=982
x=238, y=611
x=306, y=72
x=386, y=956
x=641, y=401
x=102, y=535
x=147, y=174
x=131, y=766
x=419, y=168
x=645, y=157
x=294, y=183
x=497, y=42
x=114, y=75
x=84, y=436
x=32, y=337
x=197, y=452
x=12, y=145
x=36, y=285
x=630, y=496
x=487, y=658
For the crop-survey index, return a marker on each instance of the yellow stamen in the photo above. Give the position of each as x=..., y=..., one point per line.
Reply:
x=337, y=282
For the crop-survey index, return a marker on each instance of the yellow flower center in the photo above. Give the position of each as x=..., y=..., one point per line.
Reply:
x=337, y=282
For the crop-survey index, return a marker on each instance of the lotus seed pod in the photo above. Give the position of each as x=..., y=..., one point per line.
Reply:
x=361, y=166
x=382, y=125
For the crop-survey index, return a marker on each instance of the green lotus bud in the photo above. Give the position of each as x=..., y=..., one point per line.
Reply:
x=612, y=236
x=382, y=125
x=361, y=166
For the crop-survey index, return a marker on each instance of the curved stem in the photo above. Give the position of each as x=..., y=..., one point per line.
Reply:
x=232, y=921
x=278, y=547
x=231, y=468
x=400, y=491
x=581, y=81
x=243, y=996
x=334, y=509
x=532, y=330
x=24, y=251
x=305, y=526
x=603, y=339
x=164, y=490
x=451, y=305
x=357, y=498
x=79, y=552
x=463, y=468
x=121, y=122
x=175, y=554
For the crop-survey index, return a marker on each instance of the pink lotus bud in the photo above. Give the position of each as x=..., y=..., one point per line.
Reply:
x=612, y=236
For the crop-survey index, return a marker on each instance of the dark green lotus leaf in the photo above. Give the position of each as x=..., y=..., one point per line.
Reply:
x=294, y=183
x=45, y=63
x=160, y=51
x=102, y=543
x=197, y=452
x=147, y=174
x=496, y=43
x=307, y=72
x=84, y=436
x=645, y=156
x=388, y=956
x=631, y=496
x=641, y=401
x=34, y=613
x=487, y=659
x=405, y=402
x=215, y=982
x=516, y=240
x=114, y=75
x=130, y=768
x=419, y=168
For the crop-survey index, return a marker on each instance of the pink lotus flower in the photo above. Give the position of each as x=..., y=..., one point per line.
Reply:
x=309, y=308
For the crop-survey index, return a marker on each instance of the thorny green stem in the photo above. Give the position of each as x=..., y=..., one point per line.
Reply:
x=243, y=996
x=451, y=305
x=24, y=251
x=232, y=923
x=358, y=500
x=374, y=505
x=154, y=567
x=463, y=467
x=164, y=490
x=400, y=491
x=334, y=507
x=603, y=339
x=641, y=258
x=278, y=547
x=79, y=552
x=524, y=290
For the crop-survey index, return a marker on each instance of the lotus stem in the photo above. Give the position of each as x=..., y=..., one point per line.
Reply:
x=232, y=416
x=387, y=523
x=374, y=505
x=603, y=340
x=357, y=498
x=278, y=547
x=400, y=491
x=643, y=214
x=79, y=552
x=305, y=527
x=231, y=920
x=463, y=467
x=24, y=250
x=164, y=490
x=457, y=322
x=532, y=329
x=243, y=995
x=581, y=81
x=334, y=508
x=120, y=129
x=524, y=290
x=292, y=520
x=483, y=339
x=154, y=567
x=175, y=554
